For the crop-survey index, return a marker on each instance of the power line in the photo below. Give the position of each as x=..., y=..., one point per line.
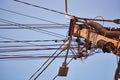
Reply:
x=40, y=30
x=19, y=41
x=27, y=49
x=30, y=49
x=46, y=62
x=53, y=27
x=15, y=40
x=51, y=61
x=12, y=46
x=41, y=7
x=33, y=26
x=30, y=16
x=115, y=21
x=30, y=57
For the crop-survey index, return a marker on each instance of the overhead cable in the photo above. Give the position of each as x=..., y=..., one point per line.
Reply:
x=65, y=47
x=117, y=21
x=29, y=57
x=11, y=46
x=17, y=41
x=36, y=30
x=40, y=7
x=45, y=62
x=30, y=16
x=32, y=26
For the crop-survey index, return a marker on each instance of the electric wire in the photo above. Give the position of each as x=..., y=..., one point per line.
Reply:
x=37, y=30
x=101, y=18
x=16, y=41
x=85, y=19
x=61, y=25
x=9, y=46
x=40, y=26
x=26, y=15
x=41, y=7
x=48, y=64
x=21, y=50
x=29, y=57
x=45, y=62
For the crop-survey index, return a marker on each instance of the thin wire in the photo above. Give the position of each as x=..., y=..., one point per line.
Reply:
x=48, y=65
x=32, y=41
x=29, y=46
x=35, y=25
x=45, y=62
x=39, y=27
x=40, y=30
x=15, y=40
x=61, y=12
x=30, y=57
x=41, y=7
x=101, y=18
x=20, y=50
x=30, y=16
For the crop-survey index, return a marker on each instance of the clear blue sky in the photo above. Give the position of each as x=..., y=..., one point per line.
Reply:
x=97, y=67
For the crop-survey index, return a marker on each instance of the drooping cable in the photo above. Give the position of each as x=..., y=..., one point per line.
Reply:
x=66, y=47
x=16, y=41
x=19, y=50
x=29, y=57
x=30, y=16
x=28, y=49
x=40, y=7
x=33, y=26
x=13, y=46
x=45, y=63
x=115, y=21
x=36, y=30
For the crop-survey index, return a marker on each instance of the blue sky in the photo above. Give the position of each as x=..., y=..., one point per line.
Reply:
x=97, y=67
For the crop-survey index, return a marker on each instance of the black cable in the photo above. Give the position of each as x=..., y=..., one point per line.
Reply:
x=45, y=62
x=40, y=30
x=30, y=16
x=41, y=7
x=12, y=46
x=48, y=64
x=16, y=41
x=85, y=19
x=29, y=57
x=20, y=50
x=32, y=26
x=61, y=25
